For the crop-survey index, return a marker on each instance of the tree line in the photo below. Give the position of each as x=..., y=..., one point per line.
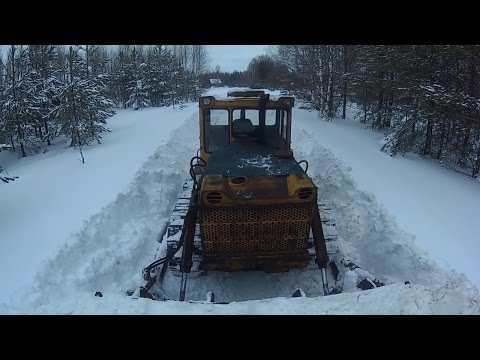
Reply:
x=426, y=98
x=47, y=91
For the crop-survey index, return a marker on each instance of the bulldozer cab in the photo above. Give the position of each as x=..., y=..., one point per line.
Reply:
x=245, y=116
x=255, y=200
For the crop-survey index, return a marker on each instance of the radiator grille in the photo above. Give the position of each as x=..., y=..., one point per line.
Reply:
x=255, y=230
x=257, y=214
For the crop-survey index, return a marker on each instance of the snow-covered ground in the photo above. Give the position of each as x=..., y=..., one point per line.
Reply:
x=56, y=193
x=440, y=207
x=69, y=229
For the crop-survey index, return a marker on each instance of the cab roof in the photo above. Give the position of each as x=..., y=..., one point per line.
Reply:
x=250, y=98
x=246, y=93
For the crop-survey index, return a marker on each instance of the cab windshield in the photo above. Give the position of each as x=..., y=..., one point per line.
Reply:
x=246, y=125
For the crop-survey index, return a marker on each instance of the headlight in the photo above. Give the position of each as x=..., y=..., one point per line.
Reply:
x=213, y=197
x=305, y=193
x=207, y=101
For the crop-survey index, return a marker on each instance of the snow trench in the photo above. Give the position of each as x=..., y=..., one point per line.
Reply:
x=113, y=247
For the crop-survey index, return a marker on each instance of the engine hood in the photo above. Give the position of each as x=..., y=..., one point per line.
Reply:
x=250, y=159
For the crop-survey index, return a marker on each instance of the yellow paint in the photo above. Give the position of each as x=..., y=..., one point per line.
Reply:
x=272, y=200
x=257, y=190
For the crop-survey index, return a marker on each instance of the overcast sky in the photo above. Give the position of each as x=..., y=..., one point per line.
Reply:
x=234, y=57
x=228, y=57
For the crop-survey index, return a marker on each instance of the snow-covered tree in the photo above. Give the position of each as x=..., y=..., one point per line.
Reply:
x=199, y=60
x=139, y=96
x=316, y=71
x=20, y=101
x=427, y=97
x=96, y=60
x=159, y=75
x=424, y=97
x=43, y=59
x=83, y=108
x=2, y=72
x=121, y=75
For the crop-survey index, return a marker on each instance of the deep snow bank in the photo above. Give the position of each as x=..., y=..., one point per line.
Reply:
x=114, y=245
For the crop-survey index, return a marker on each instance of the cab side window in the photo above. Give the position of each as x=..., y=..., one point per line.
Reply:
x=276, y=128
x=216, y=129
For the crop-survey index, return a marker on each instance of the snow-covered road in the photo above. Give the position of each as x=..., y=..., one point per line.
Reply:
x=55, y=193
x=93, y=227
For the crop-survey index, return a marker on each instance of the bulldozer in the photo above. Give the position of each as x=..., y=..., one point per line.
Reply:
x=249, y=205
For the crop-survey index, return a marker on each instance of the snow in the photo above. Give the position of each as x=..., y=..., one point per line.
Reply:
x=398, y=299
x=56, y=193
x=260, y=161
x=440, y=207
x=69, y=230
x=222, y=95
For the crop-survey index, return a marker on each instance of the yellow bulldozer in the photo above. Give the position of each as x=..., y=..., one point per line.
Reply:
x=249, y=204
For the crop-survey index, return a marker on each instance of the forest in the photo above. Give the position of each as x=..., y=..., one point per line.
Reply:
x=425, y=98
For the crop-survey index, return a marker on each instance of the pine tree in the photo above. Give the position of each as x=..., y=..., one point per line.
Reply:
x=20, y=103
x=431, y=102
x=122, y=75
x=83, y=108
x=43, y=59
x=2, y=72
x=424, y=97
x=153, y=80
x=139, y=97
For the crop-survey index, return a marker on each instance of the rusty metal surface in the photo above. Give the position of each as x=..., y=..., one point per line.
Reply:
x=250, y=159
x=267, y=263
x=256, y=190
x=251, y=237
x=257, y=214
x=271, y=246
